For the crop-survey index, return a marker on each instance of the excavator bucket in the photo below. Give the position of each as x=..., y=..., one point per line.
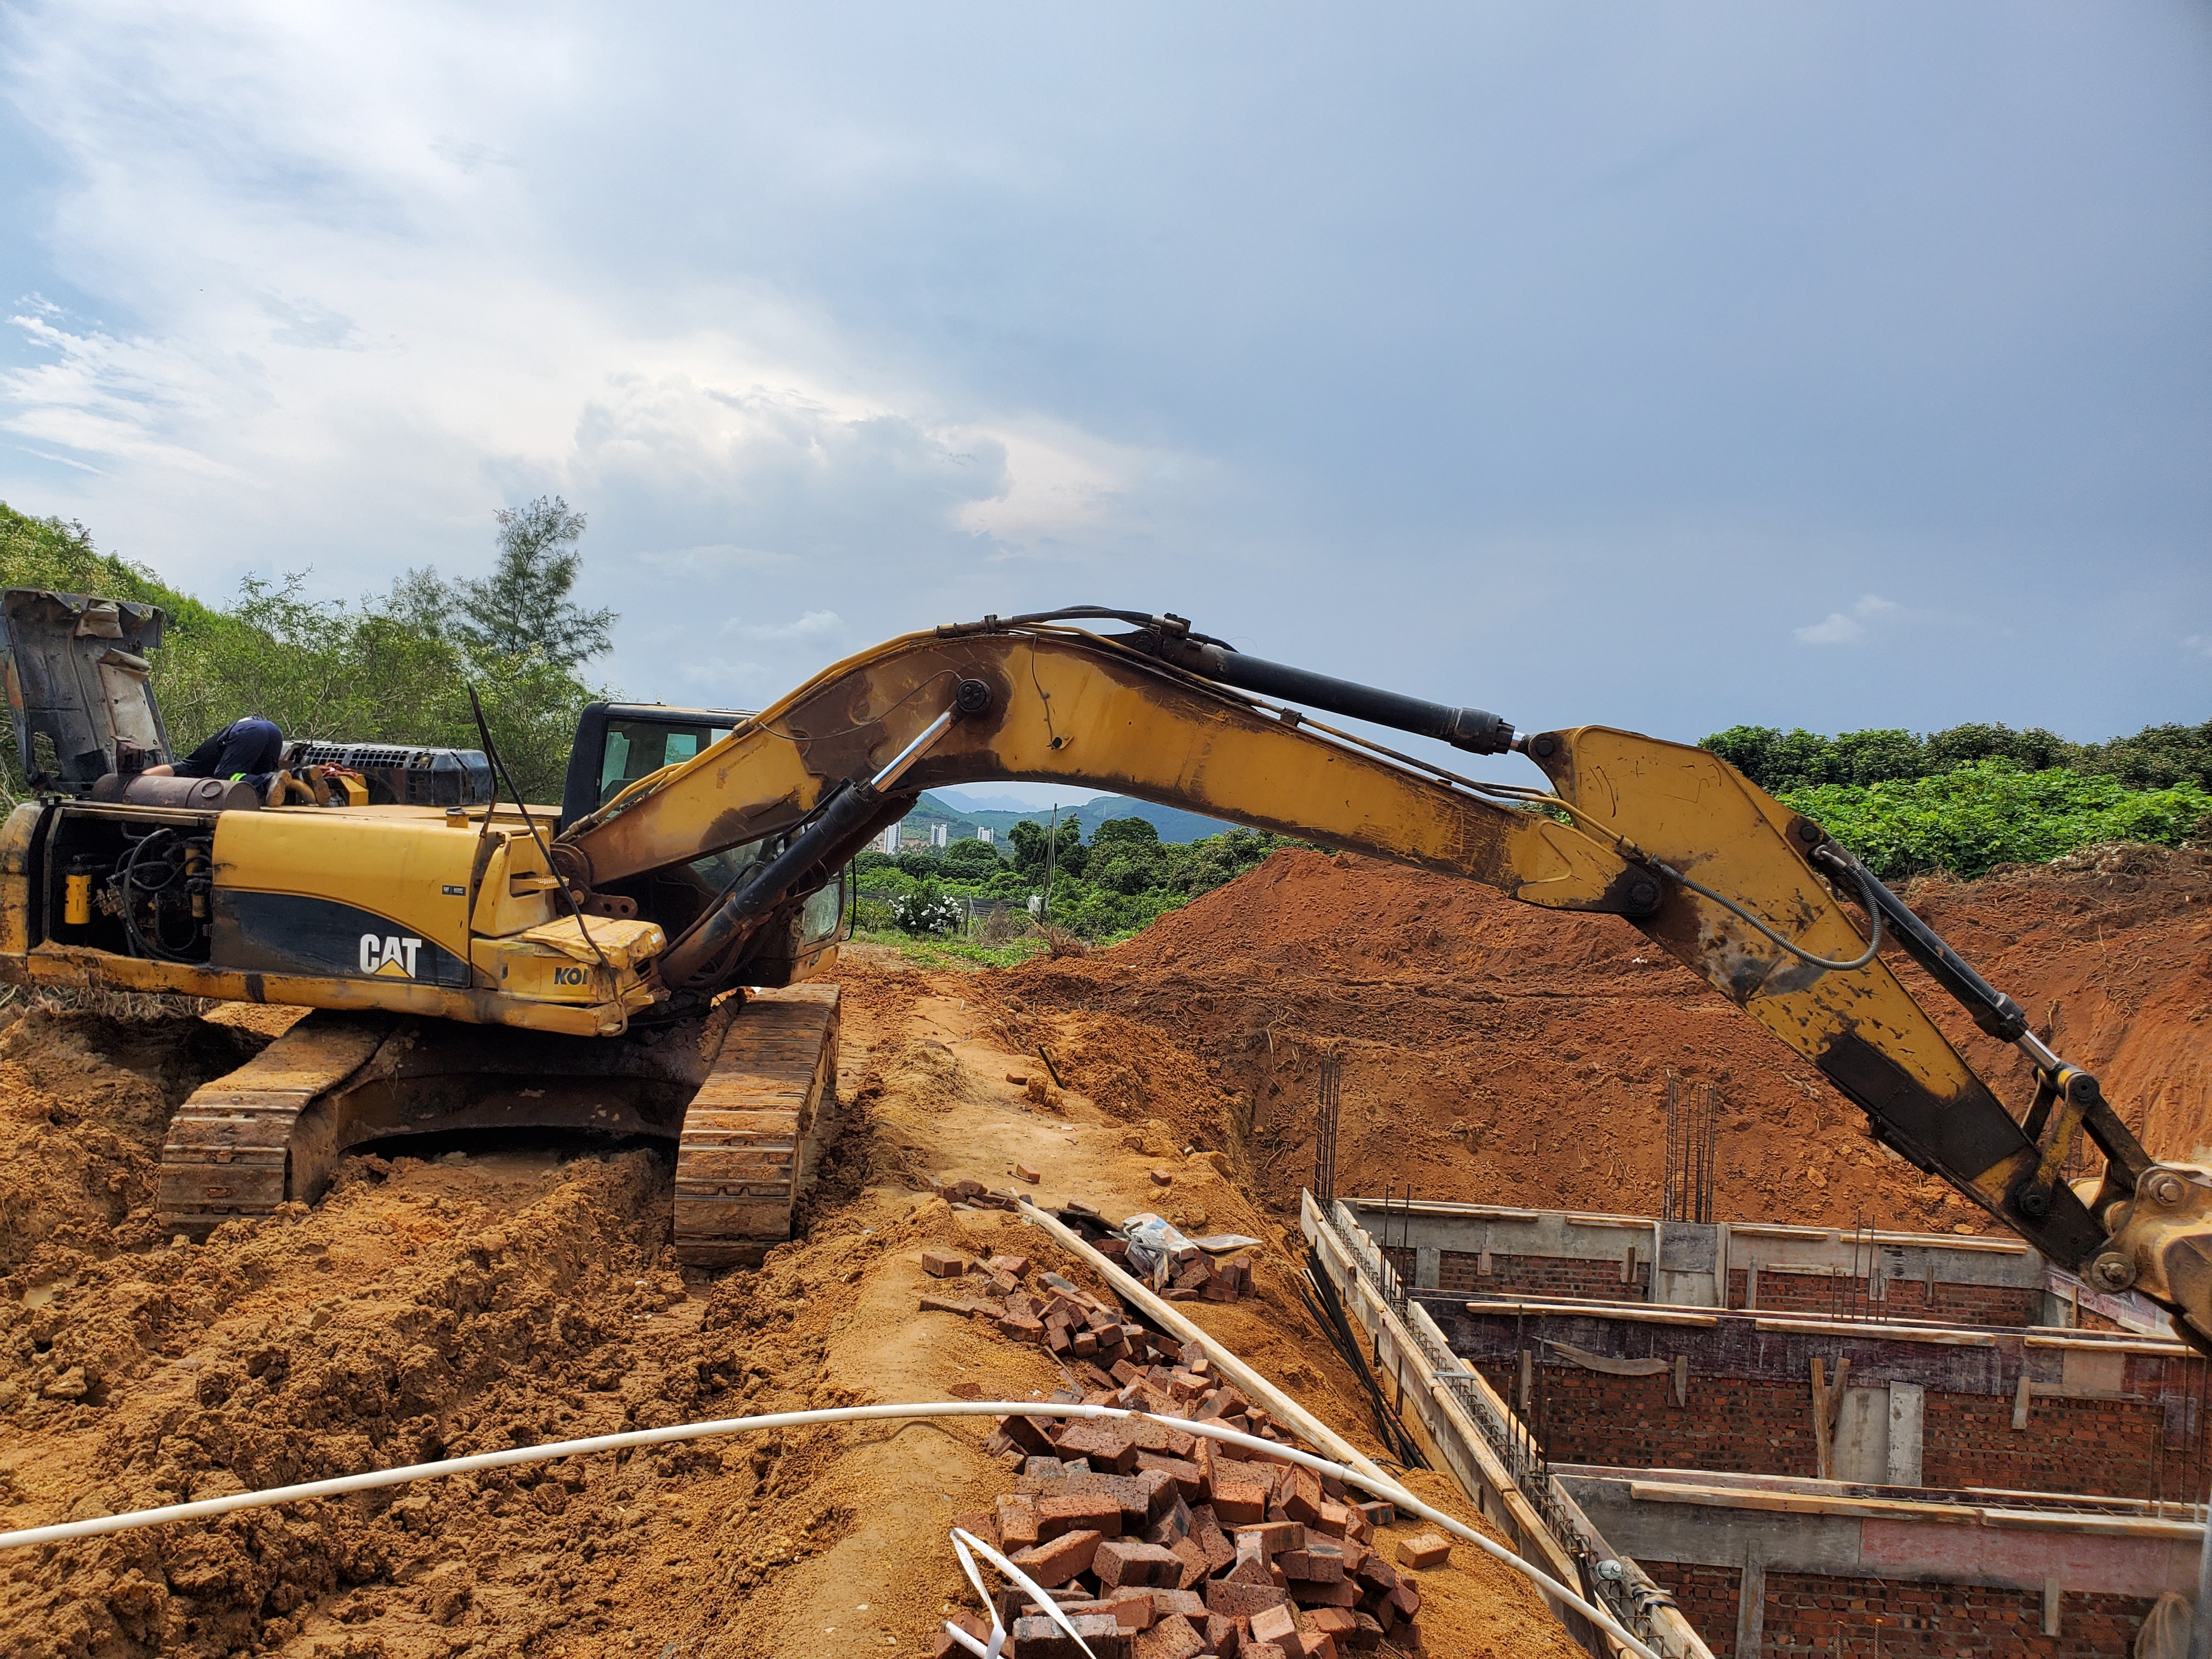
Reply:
x=745, y=1105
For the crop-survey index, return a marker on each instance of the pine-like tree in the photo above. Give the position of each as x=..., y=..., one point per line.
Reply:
x=524, y=606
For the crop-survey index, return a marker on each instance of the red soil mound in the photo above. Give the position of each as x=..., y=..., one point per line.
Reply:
x=1502, y=1054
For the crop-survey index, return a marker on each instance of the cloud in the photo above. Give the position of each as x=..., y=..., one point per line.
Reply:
x=1850, y=627
x=815, y=628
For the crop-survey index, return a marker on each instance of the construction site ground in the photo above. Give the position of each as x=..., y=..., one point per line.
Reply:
x=495, y=1294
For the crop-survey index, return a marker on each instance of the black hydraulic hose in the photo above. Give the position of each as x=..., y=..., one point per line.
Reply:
x=1171, y=639
x=1991, y=1009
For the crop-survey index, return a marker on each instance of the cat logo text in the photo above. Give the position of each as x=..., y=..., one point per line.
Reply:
x=391, y=955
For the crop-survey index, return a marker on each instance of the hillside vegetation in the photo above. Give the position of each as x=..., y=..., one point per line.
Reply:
x=390, y=668
x=1972, y=798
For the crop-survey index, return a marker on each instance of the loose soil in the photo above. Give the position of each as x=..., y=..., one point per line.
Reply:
x=1496, y=1053
x=517, y=1293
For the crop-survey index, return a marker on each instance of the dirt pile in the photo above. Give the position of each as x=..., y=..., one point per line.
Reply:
x=1501, y=1053
x=84, y=1103
x=515, y=1295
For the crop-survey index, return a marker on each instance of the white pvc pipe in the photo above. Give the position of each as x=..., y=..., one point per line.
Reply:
x=132, y=1520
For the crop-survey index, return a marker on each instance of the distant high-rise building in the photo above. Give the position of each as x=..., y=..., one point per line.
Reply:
x=889, y=840
x=941, y=835
x=983, y=833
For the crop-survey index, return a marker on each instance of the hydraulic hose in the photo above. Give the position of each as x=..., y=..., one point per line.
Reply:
x=1394, y=1494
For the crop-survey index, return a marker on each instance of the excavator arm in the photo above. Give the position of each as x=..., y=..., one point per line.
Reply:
x=1753, y=897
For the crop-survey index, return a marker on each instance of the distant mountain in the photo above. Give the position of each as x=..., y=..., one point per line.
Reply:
x=967, y=800
x=1173, y=824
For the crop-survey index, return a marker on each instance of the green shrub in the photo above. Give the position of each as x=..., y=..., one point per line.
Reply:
x=1976, y=816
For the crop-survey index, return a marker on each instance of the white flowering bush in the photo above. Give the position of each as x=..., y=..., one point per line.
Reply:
x=925, y=910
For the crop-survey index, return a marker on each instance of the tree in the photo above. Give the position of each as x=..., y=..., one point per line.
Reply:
x=1029, y=837
x=972, y=860
x=524, y=606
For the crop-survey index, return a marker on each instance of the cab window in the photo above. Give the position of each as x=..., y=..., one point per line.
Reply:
x=638, y=749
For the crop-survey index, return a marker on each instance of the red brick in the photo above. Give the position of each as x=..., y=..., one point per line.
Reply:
x=1205, y=1532
x=1238, y=1502
x=1043, y=1638
x=967, y=1621
x=1132, y=1494
x=1262, y=1650
x=1017, y=1522
x=1424, y=1550
x=1312, y=1593
x=1108, y=1450
x=1232, y=1600
x=1122, y=1563
x=984, y=1523
x=1135, y=1609
x=1278, y=1626
x=1172, y=1637
x=1194, y=1562
x=1054, y=1563
x=1098, y=1512
x=1030, y=1434
x=1275, y=1535
x=1332, y=1621
x=1153, y=1436
x=944, y=1264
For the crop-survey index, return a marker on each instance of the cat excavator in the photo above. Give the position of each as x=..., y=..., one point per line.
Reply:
x=646, y=960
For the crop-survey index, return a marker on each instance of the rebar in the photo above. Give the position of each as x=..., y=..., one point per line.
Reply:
x=1332, y=1075
x=1685, y=1189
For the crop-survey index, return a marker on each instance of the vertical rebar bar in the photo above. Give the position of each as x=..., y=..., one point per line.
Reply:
x=1332, y=1070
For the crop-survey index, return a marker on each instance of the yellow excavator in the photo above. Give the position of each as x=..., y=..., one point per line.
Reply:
x=477, y=963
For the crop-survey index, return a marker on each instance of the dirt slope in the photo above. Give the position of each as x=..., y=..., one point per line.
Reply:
x=468, y=1303
x=1501, y=1053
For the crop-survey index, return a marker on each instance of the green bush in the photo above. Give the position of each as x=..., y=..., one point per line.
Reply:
x=1988, y=812
x=380, y=670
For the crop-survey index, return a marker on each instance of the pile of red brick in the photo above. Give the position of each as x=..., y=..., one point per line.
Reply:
x=1092, y=1333
x=1157, y=1543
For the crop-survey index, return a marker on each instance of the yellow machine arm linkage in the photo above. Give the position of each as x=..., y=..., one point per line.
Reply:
x=1731, y=883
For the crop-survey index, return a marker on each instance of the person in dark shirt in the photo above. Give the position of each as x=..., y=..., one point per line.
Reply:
x=248, y=749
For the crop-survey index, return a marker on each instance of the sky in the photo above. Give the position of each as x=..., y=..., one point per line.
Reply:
x=1833, y=365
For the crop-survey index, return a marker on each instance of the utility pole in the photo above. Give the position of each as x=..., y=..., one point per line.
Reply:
x=1051, y=848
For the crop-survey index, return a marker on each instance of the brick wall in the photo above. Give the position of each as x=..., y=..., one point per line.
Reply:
x=1907, y=1299
x=1545, y=1275
x=1706, y=1597
x=1591, y=1417
x=2101, y=1448
x=1532, y=1275
x=1808, y=1616
x=2106, y=1448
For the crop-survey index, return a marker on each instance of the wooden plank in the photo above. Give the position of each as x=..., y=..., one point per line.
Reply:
x=1820, y=1422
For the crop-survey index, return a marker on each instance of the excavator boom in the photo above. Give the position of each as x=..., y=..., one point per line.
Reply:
x=1737, y=887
